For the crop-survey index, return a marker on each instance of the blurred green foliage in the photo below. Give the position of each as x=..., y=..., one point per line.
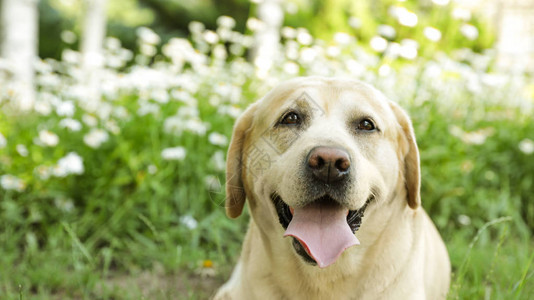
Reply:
x=169, y=18
x=323, y=19
x=362, y=19
x=485, y=180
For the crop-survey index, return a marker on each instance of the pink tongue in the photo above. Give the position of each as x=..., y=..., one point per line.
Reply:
x=323, y=230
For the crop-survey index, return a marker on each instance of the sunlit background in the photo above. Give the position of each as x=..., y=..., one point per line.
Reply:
x=115, y=117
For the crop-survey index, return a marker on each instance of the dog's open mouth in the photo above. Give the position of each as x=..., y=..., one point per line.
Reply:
x=322, y=230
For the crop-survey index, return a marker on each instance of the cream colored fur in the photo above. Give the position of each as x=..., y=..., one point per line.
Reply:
x=401, y=255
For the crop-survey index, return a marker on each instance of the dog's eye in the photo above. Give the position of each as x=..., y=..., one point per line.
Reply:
x=366, y=125
x=291, y=118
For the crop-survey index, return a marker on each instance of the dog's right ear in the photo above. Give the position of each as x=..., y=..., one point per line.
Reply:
x=235, y=191
x=412, y=169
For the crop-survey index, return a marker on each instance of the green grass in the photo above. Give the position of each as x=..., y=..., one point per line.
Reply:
x=483, y=267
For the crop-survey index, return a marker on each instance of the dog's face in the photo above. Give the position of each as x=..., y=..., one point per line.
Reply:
x=312, y=155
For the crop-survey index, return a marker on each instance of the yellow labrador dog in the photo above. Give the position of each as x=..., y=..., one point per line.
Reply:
x=330, y=169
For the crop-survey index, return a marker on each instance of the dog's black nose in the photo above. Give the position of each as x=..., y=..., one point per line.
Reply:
x=329, y=164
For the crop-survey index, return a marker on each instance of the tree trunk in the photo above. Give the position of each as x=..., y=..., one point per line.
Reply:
x=267, y=38
x=94, y=31
x=19, y=46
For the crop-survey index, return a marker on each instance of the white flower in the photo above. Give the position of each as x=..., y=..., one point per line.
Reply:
x=342, y=38
x=526, y=146
x=89, y=120
x=408, y=19
x=304, y=37
x=393, y=50
x=263, y=65
x=3, y=141
x=146, y=108
x=464, y=220
x=175, y=153
x=403, y=16
x=43, y=172
x=432, y=70
x=148, y=36
x=441, y=2
x=196, y=27
x=355, y=68
x=189, y=222
x=120, y=112
x=43, y=67
x=291, y=8
x=212, y=183
x=71, y=56
x=218, y=161
x=291, y=68
x=70, y=124
x=472, y=138
x=160, y=95
x=152, y=169
x=210, y=36
x=196, y=126
x=384, y=70
x=291, y=51
x=230, y=110
x=10, y=182
x=49, y=80
x=378, y=43
x=42, y=107
x=255, y=24
x=112, y=126
x=48, y=138
x=408, y=49
x=22, y=150
x=72, y=163
x=308, y=55
x=113, y=43
x=333, y=51
x=355, y=22
x=461, y=14
x=184, y=96
x=173, y=125
x=214, y=100
x=289, y=32
x=386, y=31
x=148, y=50
x=226, y=22
x=469, y=31
x=432, y=33
x=64, y=204
x=218, y=139
x=95, y=138
x=219, y=52
x=68, y=37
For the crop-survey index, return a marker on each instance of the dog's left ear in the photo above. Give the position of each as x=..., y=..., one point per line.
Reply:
x=412, y=172
x=235, y=191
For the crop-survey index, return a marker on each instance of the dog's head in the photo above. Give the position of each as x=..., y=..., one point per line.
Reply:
x=313, y=154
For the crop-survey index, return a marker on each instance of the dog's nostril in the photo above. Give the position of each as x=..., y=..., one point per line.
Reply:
x=329, y=164
x=315, y=161
x=342, y=164
x=320, y=162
